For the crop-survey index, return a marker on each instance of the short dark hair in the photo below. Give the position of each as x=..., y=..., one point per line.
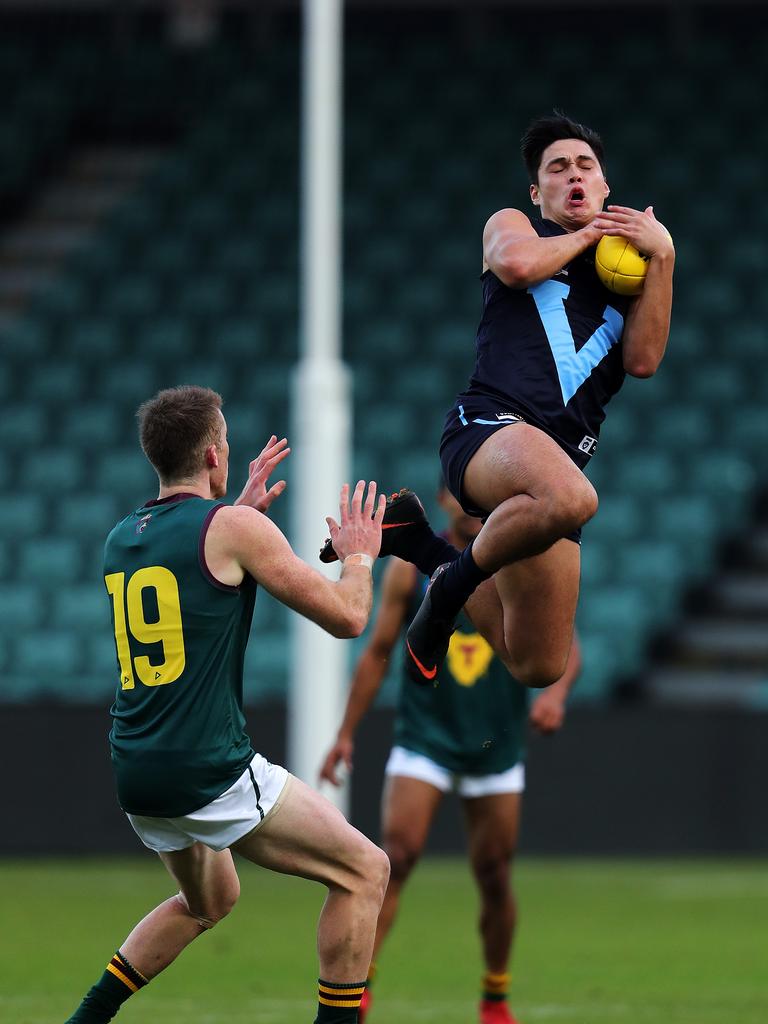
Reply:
x=543, y=131
x=176, y=427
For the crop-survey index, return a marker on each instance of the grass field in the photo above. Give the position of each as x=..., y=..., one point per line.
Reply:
x=601, y=942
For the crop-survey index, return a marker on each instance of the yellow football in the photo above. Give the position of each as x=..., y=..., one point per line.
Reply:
x=620, y=266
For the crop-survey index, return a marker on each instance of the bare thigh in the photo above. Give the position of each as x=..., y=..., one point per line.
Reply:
x=493, y=825
x=539, y=597
x=521, y=459
x=307, y=836
x=408, y=808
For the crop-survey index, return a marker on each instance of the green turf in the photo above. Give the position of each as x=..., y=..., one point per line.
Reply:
x=601, y=942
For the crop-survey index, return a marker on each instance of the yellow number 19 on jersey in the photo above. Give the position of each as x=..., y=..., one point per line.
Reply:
x=130, y=621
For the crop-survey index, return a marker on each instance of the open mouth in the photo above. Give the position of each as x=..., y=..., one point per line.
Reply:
x=576, y=196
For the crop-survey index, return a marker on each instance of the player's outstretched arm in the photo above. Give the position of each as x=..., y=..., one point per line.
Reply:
x=646, y=327
x=520, y=258
x=397, y=586
x=241, y=540
x=548, y=710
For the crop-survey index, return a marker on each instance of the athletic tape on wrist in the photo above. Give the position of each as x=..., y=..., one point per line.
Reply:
x=359, y=558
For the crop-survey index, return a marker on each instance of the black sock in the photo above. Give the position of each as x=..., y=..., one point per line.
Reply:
x=338, y=1003
x=104, y=999
x=456, y=584
x=425, y=549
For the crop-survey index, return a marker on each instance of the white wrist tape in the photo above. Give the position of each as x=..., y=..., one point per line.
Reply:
x=360, y=558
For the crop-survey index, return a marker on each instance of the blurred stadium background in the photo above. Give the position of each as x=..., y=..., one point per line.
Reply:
x=149, y=223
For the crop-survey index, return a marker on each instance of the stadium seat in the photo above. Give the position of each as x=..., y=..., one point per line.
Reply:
x=165, y=337
x=102, y=259
x=53, y=379
x=48, y=657
x=620, y=518
x=682, y=428
x=52, y=471
x=131, y=298
x=646, y=473
x=101, y=662
x=618, y=608
x=602, y=664
x=693, y=523
x=82, y=607
x=125, y=474
x=209, y=296
x=24, y=424
x=50, y=561
x=658, y=569
x=726, y=476
x=63, y=297
x=598, y=564
x=172, y=258
x=717, y=385
x=23, y=517
x=94, y=338
x=26, y=338
x=746, y=433
x=129, y=383
x=90, y=425
x=87, y=517
x=22, y=606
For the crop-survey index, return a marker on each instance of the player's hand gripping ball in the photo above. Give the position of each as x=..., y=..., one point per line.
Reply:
x=620, y=266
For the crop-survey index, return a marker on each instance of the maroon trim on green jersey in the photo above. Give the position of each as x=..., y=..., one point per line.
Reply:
x=201, y=554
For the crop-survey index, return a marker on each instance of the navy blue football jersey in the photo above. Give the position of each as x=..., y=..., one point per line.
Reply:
x=550, y=353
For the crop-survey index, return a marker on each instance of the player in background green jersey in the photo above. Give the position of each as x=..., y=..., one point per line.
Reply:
x=467, y=733
x=181, y=573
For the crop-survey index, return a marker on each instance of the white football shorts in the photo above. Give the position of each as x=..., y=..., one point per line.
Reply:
x=417, y=766
x=239, y=810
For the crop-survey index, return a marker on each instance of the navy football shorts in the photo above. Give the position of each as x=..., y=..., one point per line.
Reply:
x=467, y=426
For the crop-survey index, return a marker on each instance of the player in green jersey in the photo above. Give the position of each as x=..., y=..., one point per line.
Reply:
x=468, y=733
x=181, y=573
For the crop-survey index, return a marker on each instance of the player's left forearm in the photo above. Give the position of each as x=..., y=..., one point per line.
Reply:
x=564, y=684
x=647, y=324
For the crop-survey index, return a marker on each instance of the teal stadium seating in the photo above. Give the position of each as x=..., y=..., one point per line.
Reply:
x=195, y=277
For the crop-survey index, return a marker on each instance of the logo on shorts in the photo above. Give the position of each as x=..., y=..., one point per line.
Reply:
x=588, y=444
x=508, y=417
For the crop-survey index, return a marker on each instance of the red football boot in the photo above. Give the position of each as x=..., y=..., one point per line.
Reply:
x=365, y=1005
x=495, y=1012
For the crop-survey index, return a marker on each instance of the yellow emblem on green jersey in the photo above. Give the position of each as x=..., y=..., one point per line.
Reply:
x=469, y=656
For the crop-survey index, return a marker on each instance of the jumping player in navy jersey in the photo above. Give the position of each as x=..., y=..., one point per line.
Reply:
x=553, y=346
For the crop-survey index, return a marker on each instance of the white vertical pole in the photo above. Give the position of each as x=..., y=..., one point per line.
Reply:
x=321, y=420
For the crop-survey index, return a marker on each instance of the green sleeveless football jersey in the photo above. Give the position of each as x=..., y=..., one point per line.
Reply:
x=474, y=721
x=178, y=735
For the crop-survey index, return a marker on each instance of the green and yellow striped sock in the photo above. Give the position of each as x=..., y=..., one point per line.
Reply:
x=338, y=1003
x=495, y=986
x=118, y=983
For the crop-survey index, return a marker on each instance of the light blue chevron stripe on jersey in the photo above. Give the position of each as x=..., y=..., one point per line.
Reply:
x=573, y=367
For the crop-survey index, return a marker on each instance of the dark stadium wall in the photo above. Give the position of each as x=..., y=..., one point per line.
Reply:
x=624, y=782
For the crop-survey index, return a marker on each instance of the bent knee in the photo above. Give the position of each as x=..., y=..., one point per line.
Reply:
x=209, y=911
x=374, y=871
x=365, y=873
x=572, y=507
x=492, y=870
x=378, y=871
x=538, y=672
x=403, y=856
